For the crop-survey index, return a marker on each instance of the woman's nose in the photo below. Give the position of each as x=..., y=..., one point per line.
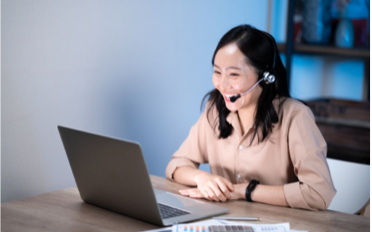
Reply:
x=225, y=84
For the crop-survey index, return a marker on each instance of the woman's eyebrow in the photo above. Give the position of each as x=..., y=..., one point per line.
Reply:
x=231, y=67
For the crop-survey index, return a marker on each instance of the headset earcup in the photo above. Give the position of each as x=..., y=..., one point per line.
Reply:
x=268, y=77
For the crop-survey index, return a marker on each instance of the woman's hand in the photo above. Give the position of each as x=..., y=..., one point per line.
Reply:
x=196, y=193
x=238, y=193
x=210, y=187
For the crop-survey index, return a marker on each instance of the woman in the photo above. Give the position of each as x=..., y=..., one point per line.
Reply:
x=261, y=144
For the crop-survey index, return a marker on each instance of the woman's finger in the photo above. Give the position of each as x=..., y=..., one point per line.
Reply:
x=196, y=194
x=187, y=192
x=211, y=193
x=184, y=192
x=217, y=191
x=205, y=194
x=224, y=189
x=229, y=185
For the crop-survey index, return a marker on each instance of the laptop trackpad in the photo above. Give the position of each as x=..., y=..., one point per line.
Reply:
x=174, y=199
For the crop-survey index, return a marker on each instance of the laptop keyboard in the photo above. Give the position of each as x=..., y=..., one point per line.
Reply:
x=167, y=211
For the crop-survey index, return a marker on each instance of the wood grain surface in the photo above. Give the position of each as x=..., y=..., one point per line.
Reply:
x=63, y=210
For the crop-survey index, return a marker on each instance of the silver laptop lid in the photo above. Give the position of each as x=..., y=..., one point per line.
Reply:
x=111, y=173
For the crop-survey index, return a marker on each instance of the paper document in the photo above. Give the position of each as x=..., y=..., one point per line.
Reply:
x=222, y=225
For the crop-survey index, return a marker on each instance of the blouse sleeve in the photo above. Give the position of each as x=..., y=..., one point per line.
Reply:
x=193, y=150
x=308, y=151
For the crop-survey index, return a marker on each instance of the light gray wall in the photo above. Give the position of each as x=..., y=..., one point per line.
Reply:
x=131, y=69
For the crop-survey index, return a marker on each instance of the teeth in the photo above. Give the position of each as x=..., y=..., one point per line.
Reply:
x=231, y=95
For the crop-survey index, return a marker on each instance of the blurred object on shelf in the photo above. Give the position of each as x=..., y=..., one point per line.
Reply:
x=341, y=11
x=344, y=36
x=316, y=21
x=297, y=21
x=350, y=26
x=297, y=28
x=340, y=109
x=345, y=126
x=360, y=31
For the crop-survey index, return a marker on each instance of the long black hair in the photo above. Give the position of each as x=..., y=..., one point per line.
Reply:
x=261, y=52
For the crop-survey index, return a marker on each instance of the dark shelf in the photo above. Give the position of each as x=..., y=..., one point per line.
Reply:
x=349, y=155
x=347, y=139
x=327, y=50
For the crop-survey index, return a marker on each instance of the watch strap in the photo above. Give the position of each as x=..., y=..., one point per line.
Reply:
x=251, y=186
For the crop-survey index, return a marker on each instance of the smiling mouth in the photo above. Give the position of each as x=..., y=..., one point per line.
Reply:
x=229, y=96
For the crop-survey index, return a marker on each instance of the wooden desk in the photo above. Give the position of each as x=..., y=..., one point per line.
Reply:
x=64, y=210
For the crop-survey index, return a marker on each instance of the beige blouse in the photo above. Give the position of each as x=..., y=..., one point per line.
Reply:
x=293, y=155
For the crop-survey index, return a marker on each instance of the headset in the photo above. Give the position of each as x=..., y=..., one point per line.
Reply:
x=265, y=74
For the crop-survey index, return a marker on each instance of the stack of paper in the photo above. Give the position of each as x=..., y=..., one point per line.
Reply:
x=224, y=225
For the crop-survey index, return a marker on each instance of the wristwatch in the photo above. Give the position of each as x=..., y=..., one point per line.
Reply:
x=251, y=186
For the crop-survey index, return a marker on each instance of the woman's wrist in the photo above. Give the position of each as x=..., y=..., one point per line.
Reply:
x=239, y=190
x=199, y=176
x=255, y=193
x=186, y=175
x=273, y=195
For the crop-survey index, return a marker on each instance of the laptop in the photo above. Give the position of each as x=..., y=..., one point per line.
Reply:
x=111, y=173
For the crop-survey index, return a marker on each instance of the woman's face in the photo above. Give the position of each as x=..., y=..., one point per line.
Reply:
x=233, y=75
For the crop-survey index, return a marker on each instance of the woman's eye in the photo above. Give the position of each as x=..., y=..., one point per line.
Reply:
x=234, y=74
x=217, y=72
